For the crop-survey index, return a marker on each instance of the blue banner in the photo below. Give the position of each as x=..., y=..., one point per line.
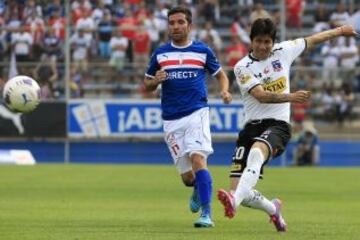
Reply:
x=142, y=118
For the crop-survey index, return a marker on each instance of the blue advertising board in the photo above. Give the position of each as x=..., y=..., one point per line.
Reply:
x=142, y=118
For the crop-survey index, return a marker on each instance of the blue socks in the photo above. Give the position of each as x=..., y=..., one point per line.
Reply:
x=203, y=183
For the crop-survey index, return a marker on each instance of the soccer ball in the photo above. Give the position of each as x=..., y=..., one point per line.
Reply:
x=21, y=94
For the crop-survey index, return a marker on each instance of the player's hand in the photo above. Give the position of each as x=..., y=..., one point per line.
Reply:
x=300, y=96
x=348, y=31
x=226, y=96
x=160, y=76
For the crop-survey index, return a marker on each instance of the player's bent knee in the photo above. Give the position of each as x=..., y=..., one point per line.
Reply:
x=198, y=155
x=188, y=179
x=263, y=147
x=198, y=160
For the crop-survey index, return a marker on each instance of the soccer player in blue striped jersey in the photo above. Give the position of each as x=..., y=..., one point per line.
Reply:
x=179, y=66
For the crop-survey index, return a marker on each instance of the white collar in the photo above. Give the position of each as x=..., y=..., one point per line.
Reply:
x=175, y=46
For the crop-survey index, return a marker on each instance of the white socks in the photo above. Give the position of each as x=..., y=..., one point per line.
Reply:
x=250, y=175
x=257, y=201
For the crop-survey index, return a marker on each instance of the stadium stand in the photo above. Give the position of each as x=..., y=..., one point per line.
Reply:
x=94, y=73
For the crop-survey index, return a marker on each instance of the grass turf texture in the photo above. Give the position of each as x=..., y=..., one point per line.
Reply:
x=149, y=202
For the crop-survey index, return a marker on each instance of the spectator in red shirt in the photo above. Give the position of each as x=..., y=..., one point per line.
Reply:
x=294, y=9
x=299, y=112
x=234, y=53
x=142, y=46
x=128, y=26
x=79, y=8
x=133, y=2
x=58, y=24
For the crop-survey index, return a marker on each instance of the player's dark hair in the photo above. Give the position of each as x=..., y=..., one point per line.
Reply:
x=263, y=26
x=180, y=9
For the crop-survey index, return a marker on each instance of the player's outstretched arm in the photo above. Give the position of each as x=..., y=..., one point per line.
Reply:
x=263, y=96
x=152, y=83
x=345, y=30
x=224, y=86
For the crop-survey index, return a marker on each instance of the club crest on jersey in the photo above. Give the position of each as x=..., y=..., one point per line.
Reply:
x=276, y=65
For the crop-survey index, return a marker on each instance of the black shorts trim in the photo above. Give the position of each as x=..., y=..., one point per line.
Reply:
x=238, y=175
x=266, y=121
x=268, y=144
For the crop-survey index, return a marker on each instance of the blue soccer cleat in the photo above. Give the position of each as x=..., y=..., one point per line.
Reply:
x=204, y=222
x=194, y=202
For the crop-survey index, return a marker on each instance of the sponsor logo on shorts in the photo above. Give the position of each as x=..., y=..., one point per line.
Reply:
x=235, y=167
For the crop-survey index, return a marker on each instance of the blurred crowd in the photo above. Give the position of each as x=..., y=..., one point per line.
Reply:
x=111, y=41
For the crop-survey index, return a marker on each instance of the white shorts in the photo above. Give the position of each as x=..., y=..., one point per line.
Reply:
x=188, y=135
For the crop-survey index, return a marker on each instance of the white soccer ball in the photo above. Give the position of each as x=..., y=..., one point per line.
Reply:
x=21, y=94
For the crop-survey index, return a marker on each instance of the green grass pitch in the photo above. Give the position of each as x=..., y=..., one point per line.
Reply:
x=125, y=202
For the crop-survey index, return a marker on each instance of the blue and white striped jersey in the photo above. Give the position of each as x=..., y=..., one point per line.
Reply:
x=185, y=89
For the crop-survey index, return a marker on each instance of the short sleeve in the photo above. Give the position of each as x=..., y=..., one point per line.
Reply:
x=293, y=48
x=153, y=66
x=245, y=79
x=212, y=64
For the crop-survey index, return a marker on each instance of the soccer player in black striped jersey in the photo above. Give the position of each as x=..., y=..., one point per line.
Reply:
x=263, y=79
